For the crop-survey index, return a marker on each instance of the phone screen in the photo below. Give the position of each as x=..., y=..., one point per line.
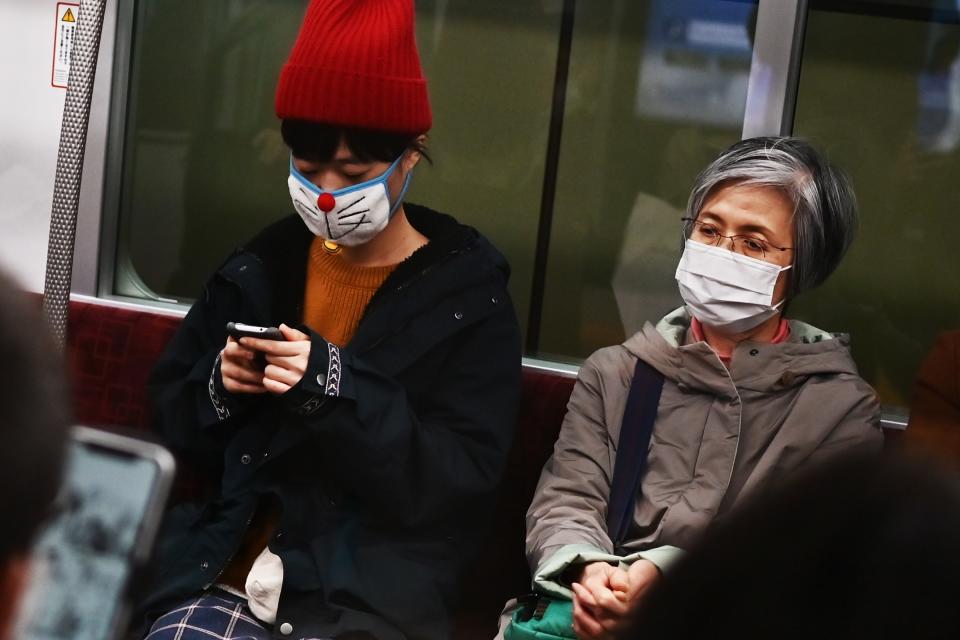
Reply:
x=83, y=559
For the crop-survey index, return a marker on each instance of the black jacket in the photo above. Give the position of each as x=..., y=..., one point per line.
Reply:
x=385, y=457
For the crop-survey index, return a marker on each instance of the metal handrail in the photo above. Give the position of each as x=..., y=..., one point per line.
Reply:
x=66, y=189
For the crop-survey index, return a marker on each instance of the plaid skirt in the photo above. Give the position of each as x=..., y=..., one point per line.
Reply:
x=215, y=615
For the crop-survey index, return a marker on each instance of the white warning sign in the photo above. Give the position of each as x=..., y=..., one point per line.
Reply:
x=66, y=29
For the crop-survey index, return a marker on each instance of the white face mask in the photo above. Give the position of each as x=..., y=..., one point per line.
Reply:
x=725, y=289
x=350, y=216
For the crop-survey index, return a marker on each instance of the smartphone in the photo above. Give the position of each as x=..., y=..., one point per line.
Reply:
x=239, y=330
x=99, y=539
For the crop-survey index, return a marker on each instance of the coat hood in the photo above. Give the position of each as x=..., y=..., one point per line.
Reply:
x=757, y=366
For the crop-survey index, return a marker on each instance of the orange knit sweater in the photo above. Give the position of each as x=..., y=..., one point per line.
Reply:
x=338, y=293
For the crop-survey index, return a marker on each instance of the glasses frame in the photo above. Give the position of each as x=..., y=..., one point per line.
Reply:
x=733, y=239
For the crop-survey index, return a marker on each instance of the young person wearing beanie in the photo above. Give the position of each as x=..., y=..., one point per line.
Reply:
x=360, y=455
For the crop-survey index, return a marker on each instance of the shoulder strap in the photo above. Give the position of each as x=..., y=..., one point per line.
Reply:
x=634, y=443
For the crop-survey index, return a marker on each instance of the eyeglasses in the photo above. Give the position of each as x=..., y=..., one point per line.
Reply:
x=750, y=246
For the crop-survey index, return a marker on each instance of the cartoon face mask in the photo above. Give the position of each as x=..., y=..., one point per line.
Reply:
x=350, y=216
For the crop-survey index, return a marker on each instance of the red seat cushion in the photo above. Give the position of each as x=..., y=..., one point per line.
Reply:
x=110, y=352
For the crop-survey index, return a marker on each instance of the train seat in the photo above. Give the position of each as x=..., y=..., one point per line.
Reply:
x=110, y=354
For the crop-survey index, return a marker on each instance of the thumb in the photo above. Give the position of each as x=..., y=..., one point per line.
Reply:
x=620, y=581
x=291, y=334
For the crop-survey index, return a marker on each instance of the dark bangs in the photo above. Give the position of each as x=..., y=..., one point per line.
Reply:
x=317, y=142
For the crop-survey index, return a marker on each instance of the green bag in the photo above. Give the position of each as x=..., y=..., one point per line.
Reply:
x=541, y=617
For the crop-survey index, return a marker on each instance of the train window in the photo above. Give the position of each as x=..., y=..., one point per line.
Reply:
x=652, y=91
x=205, y=167
x=203, y=162
x=880, y=92
x=491, y=68
x=655, y=90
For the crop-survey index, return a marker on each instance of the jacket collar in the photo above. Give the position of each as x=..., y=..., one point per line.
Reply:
x=760, y=367
x=283, y=247
x=674, y=328
x=447, y=238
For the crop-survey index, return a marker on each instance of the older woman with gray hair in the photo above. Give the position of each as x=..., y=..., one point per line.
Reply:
x=747, y=396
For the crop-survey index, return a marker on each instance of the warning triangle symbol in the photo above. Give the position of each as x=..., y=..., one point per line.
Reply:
x=68, y=17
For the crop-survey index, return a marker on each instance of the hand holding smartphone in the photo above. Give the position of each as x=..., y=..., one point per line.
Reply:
x=242, y=366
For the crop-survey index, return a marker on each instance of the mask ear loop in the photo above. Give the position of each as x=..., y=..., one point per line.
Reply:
x=779, y=305
x=302, y=179
x=403, y=191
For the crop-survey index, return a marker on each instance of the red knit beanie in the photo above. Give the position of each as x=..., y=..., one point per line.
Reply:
x=355, y=64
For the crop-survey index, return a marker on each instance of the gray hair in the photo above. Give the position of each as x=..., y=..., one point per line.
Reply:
x=825, y=206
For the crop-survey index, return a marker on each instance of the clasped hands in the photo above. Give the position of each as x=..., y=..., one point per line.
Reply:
x=255, y=365
x=604, y=596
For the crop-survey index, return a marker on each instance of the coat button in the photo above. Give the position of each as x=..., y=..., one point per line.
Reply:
x=494, y=300
x=322, y=379
x=788, y=378
x=458, y=315
x=245, y=458
x=204, y=565
x=286, y=628
x=754, y=352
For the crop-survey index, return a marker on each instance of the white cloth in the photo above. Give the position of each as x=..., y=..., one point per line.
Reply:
x=263, y=586
x=726, y=290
